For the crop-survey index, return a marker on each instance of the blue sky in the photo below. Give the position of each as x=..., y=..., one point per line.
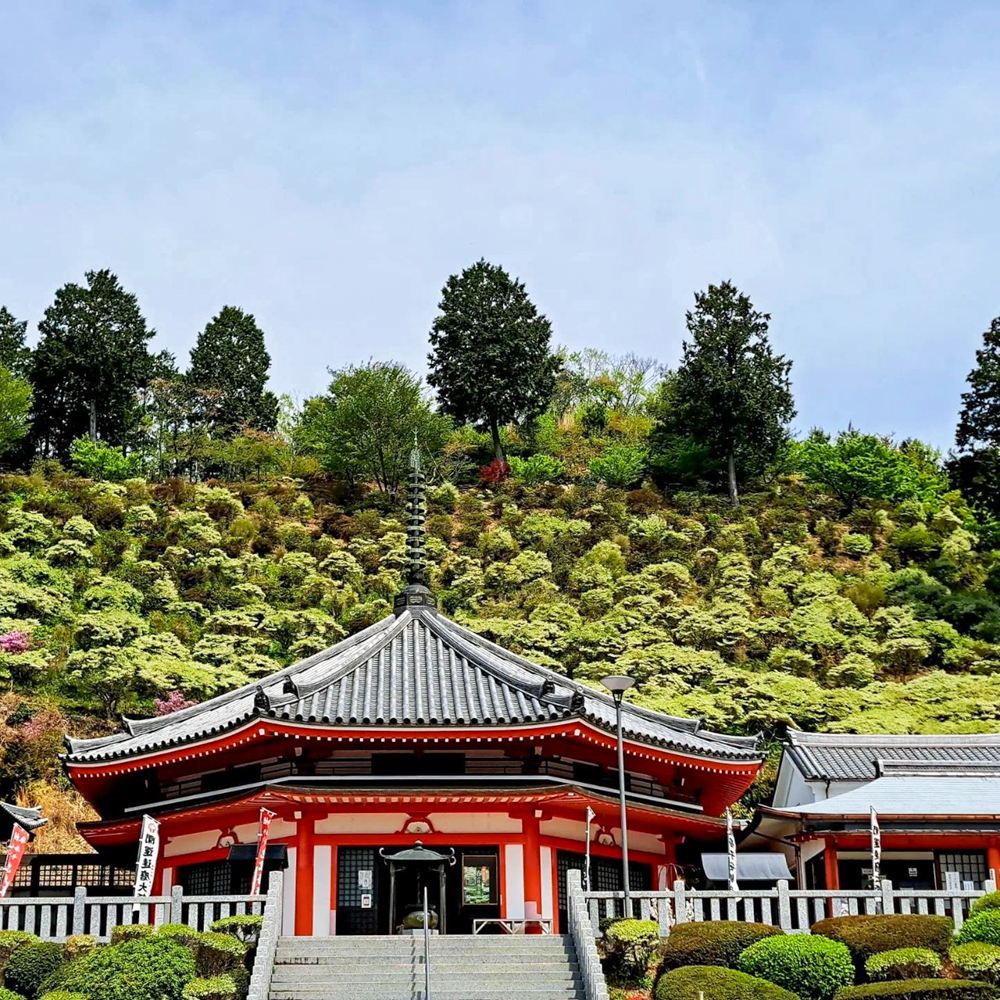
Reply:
x=327, y=165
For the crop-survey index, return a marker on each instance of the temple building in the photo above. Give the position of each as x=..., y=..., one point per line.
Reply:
x=935, y=798
x=413, y=730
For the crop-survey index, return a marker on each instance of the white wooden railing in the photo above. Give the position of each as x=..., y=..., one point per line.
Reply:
x=793, y=910
x=54, y=918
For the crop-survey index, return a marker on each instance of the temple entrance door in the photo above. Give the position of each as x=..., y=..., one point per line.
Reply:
x=359, y=878
x=410, y=883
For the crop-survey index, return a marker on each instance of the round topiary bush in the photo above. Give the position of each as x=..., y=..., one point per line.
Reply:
x=244, y=926
x=981, y=926
x=712, y=942
x=30, y=966
x=10, y=941
x=810, y=965
x=868, y=935
x=920, y=989
x=631, y=943
x=991, y=901
x=977, y=960
x=216, y=988
x=716, y=982
x=219, y=953
x=78, y=945
x=129, y=932
x=148, y=968
x=180, y=933
x=903, y=963
x=62, y=995
x=9, y=995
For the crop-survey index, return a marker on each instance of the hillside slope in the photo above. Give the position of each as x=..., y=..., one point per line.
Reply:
x=137, y=597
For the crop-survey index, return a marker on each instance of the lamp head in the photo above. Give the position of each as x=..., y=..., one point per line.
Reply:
x=617, y=684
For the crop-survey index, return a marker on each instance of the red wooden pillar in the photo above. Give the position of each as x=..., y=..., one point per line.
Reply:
x=304, y=844
x=532, y=862
x=670, y=858
x=830, y=864
x=993, y=858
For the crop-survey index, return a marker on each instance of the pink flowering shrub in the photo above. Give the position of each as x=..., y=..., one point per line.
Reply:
x=174, y=702
x=15, y=642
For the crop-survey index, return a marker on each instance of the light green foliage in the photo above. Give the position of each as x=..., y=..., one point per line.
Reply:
x=28, y=530
x=620, y=464
x=976, y=960
x=982, y=926
x=810, y=965
x=221, y=987
x=100, y=461
x=15, y=407
x=903, y=963
x=713, y=982
x=536, y=469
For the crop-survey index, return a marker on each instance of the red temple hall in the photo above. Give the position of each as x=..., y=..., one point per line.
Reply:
x=415, y=730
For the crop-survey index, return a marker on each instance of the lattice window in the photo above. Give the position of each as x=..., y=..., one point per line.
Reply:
x=970, y=865
x=605, y=874
x=350, y=861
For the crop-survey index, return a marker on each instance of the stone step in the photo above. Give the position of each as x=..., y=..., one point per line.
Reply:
x=317, y=971
x=376, y=991
x=440, y=977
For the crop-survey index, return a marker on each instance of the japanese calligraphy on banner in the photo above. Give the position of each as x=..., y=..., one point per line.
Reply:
x=731, y=852
x=149, y=850
x=876, y=851
x=258, y=866
x=15, y=851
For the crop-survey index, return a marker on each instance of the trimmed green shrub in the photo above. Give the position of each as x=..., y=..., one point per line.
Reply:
x=977, y=960
x=219, y=953
x=10, y=941
x=9, y=995
x=868, y=935
x=78, y=945
x=810, y=965
x=903, y=963
x=981, y=926
x=990, y=901
x=130, y=932
x=712, y=942
x=631, y=943
x=222, y=987
x=147, y=968
x=181, y=933
x=30, y=966
x=244, y=926
x=58, y=995
x=921, y=989
x=716, y=983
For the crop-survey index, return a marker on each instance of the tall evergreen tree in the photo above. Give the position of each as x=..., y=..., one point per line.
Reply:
x=230, y=356
x=491, y=360
x=979, y=420
x=731, y=393
x=91, y=362
x=15, y=355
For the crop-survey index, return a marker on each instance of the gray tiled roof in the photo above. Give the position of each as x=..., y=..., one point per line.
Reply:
x=911, y=795
x=28, y=817
x=851, y=757
x=414, y=669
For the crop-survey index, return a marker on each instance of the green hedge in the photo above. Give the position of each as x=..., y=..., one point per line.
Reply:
x=10, y=941
x=6, y=994
x=716, y=983
x=30, y=966
x=147, y=968
x=244, y=926
x=903, y=963
x=222, y=987
x=712, y=942
x=630, y=944
x=868, y=935
x=130, y=932
x=981, y=926
x=810, y=965
x=180, y=933
x=78, y=945
x=921, y=989
x=219, y=953
x=977, y=960
x=60, y=995
x=990, y=901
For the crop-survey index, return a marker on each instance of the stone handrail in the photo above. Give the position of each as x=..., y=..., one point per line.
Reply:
x=793, y=910
x=584, y=935
x=267, y=942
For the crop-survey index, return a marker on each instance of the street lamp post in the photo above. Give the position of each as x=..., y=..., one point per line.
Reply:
x=618, y=685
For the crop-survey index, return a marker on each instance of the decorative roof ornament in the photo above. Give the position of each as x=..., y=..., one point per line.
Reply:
x=416, y=593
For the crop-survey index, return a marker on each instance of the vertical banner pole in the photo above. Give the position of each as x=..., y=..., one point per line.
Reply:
x=734, y=885
x=876, y=851
x=15, y=851
x=258, y=866
x=590, y=816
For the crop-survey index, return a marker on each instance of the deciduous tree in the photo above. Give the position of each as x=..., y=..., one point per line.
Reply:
x=14, y=353
x=15, y=409
x=491, y=361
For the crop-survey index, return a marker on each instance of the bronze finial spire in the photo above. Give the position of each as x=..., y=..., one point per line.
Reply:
x=416, y=592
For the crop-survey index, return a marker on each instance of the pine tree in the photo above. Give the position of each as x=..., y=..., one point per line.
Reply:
x=731, y=394
x=979, y=420
x=91, y=362
x=490, y=359
x=230, y=356
x=15, y=356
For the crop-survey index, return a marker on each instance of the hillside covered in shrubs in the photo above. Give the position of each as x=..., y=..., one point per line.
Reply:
x=791, y=610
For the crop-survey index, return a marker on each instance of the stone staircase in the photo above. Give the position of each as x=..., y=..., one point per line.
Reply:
x=462, y=967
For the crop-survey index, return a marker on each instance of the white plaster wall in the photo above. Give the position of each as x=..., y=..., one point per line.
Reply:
x=474, y=823
x=247, y=832
x=361, y=823
x=322, y=864
x=191, y=843
x=288, y=895
x=547, y=887
x=168, y=880
x=513, y=859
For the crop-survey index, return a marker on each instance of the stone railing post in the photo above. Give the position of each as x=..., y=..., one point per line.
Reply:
x=888, y=900
x=79, y=910
x=680, y=902
x=784, y=907
x=267, y=943
x=177, y=905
